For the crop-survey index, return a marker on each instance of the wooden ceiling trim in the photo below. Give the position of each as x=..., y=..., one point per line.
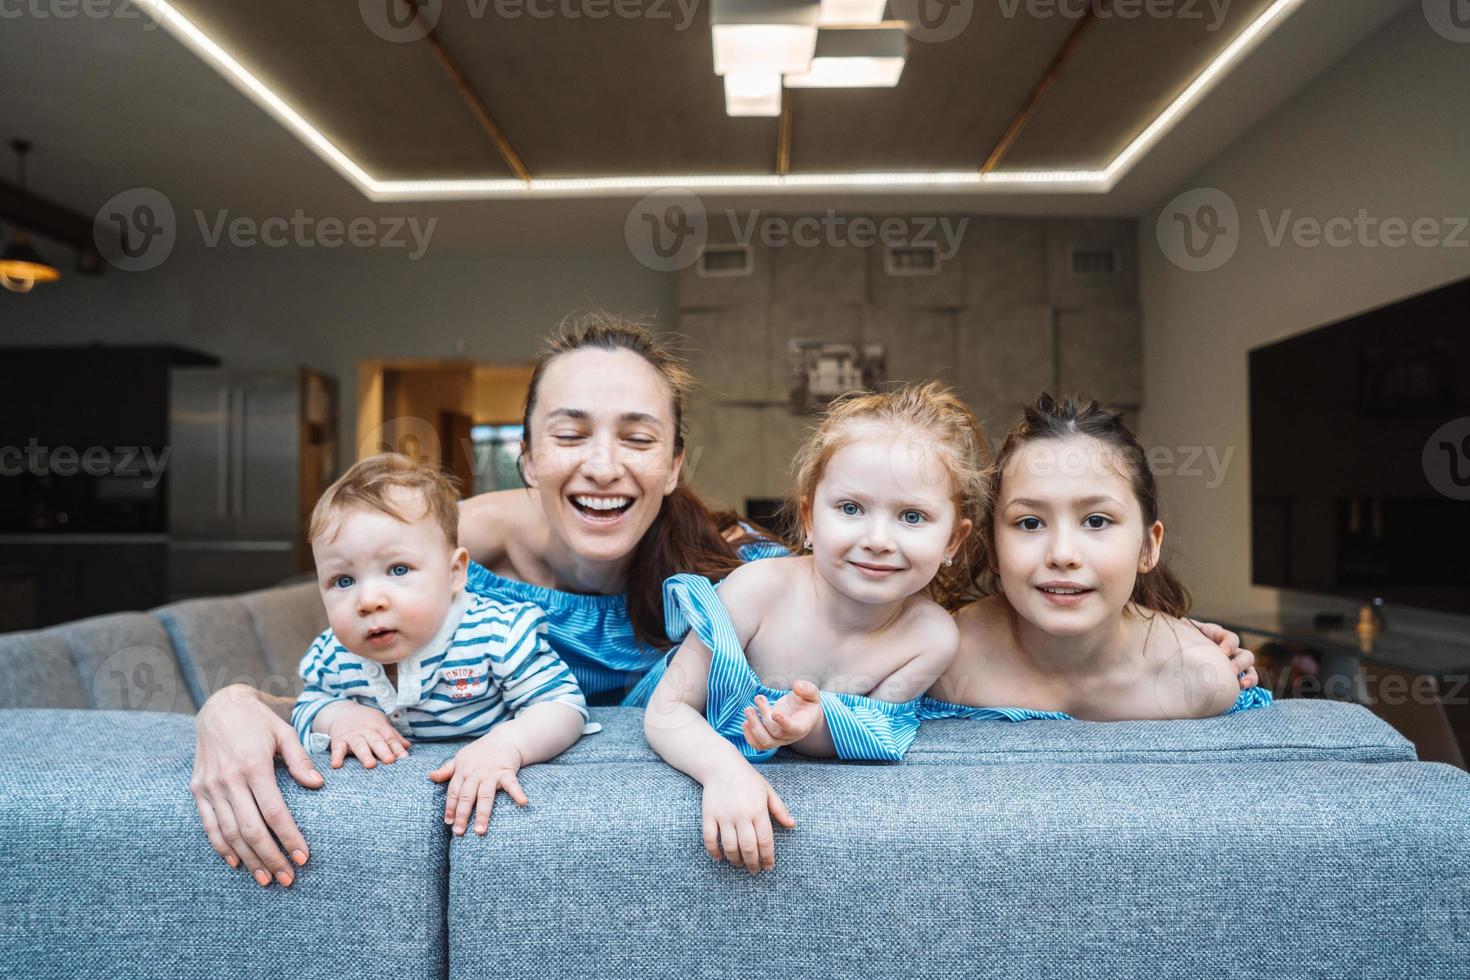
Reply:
x=1048, y=76
x=783, y=135
x=472, y=99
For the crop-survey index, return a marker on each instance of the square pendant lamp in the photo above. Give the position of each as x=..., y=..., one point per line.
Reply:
x=764, y=35
x=855, y=59
x=852, y=12
x=752, y=93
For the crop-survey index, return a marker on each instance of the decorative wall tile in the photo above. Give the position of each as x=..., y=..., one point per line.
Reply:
x=1007, y=358
x=1071, y=290
x=1100, y=355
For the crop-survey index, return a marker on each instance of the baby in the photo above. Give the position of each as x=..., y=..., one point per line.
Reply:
x=411, y=653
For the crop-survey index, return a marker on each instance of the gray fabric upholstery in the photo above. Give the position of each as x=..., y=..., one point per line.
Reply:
x=127, y=663
x=216, y=646
x=36, y=671
x=107, y=873
x=286, y=620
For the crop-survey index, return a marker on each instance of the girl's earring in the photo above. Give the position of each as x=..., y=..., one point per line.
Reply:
x=948, y=560
x=808, y=543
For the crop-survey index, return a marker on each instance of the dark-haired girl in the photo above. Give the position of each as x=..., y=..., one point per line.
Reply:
x=1087, y=621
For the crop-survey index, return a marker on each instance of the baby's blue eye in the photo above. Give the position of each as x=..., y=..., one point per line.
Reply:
x=342, y=582
x=850, y=509
x=912, y=517
x=1029, y=523
x=1092, y=520
x=398, y=570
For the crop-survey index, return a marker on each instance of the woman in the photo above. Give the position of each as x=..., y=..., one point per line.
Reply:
x=603, y=523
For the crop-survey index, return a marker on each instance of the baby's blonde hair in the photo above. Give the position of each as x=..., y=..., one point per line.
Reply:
x=933, y=411
x=367, y=484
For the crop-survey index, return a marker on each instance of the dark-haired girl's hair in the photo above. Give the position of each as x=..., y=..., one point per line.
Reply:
x=686, y=536
x=1049, y=418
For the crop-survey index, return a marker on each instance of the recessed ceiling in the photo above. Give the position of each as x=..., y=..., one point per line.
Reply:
x=477, y=104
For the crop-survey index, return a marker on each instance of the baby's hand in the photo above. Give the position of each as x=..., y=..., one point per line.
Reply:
x=363, y=730
x=790, y=719
x=478, y=771
x=738, y=806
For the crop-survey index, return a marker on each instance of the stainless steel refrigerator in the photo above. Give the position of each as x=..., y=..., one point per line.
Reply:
x=252, y=450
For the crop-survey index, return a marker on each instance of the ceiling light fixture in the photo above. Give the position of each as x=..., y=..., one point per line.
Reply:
x=763, y=35
x=21, y=266
x=852, y=12
x=855, y=59
x=1056, y=181
x=752, y=93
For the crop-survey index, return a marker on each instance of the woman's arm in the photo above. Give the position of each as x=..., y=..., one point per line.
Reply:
x=483, y=521
x=240, y=732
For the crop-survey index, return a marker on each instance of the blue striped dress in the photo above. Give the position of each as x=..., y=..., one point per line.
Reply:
x=929, y=708
x=488, y=662
x=861, y=727
x=591, y=633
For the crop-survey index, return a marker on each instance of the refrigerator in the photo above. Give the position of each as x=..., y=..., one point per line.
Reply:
x=252, y=451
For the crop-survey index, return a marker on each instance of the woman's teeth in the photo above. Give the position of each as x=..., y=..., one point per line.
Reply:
x=602, y=503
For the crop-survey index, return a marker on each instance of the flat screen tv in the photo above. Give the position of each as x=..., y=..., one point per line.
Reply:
x=1360, y=456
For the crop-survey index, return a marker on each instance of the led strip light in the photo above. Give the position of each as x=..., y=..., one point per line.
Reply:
x=1077, y=181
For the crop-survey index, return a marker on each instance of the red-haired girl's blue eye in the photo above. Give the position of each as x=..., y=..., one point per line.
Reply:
x=342, y=582
x=849, y=509
x=398, y=570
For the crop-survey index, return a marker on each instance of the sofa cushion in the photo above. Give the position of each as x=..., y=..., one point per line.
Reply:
x=1287, y=730
x=216, y=646
x=36, y=671
x=1215, y=869
x=286, y=620
x=108, y=873
x=127, y=663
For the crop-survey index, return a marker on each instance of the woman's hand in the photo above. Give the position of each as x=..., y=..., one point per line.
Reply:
x=364, y=730
x=789, y=720
x=738, y=806
x=234, y=783
x=1242, y=660
x=476, y=773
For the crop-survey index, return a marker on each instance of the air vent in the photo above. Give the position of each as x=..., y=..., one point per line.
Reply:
x=912, y=260
x=1094, y=262
x=725, y=261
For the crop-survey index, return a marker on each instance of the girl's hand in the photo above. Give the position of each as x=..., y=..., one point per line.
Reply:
x=789, y=720
x=1242, y=660
x=738, y=806
x=234, y=783
x=475, y=774
x=365, y=731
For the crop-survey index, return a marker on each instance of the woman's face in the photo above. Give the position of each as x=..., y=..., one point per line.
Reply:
x=602, y=450
x=1069, y=535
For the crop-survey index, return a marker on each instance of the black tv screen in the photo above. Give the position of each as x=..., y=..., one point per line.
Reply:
x=1360, y=456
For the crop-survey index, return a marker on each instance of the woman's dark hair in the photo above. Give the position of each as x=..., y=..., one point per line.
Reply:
x=686, y=536
x=1156, y=589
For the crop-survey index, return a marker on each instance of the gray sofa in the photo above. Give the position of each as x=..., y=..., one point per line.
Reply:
x=1300, y=840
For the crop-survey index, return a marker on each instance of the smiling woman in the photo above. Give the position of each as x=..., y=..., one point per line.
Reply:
x=603, y=523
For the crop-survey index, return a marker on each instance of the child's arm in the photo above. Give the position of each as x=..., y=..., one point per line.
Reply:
x=801, y=718
x=348, y=725
x=549, y=710
x=738, y=802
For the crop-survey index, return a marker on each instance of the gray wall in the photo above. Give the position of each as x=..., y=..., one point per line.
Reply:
x=1385, y=130
x=1004, y=319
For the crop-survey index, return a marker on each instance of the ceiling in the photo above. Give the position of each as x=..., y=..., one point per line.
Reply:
x=115, y=103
